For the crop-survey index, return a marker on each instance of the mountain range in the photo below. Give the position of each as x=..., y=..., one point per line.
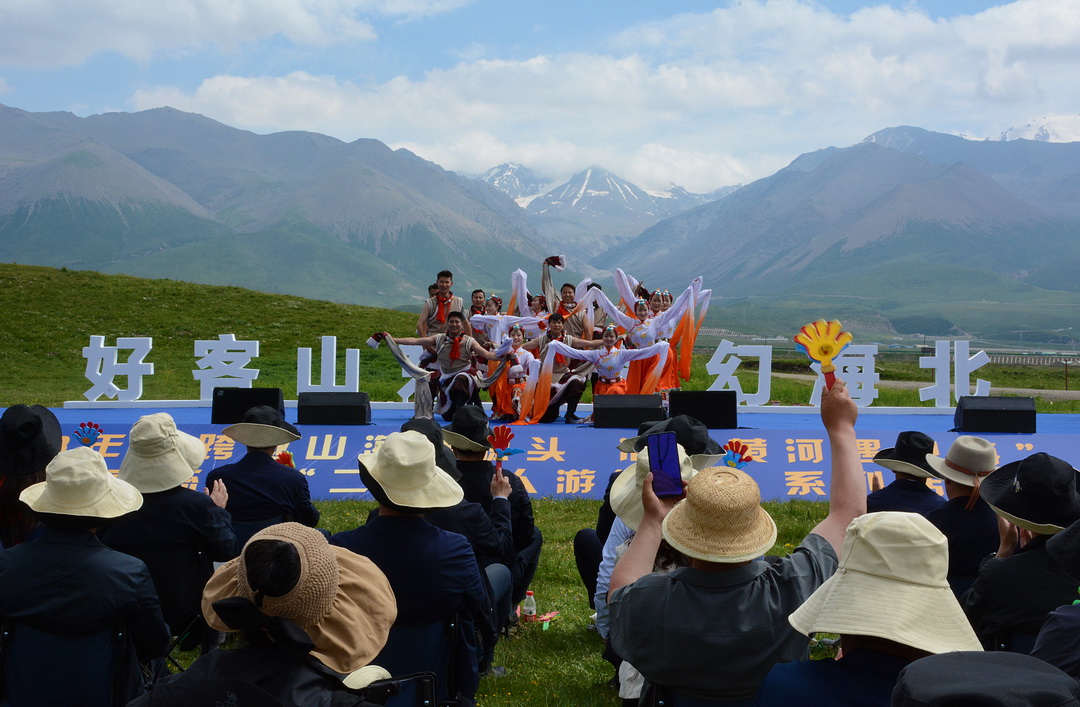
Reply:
x=904, y=229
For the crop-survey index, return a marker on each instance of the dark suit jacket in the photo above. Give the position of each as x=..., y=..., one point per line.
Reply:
x=69, y=583
x=972, y=536
x=1016, y=594
x=905, y=495
x=476, y=482
x=260, y=488
x=489, y=533
x=434, y=575
x=179, y=534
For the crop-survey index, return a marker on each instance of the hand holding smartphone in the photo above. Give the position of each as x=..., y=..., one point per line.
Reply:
x=664, y=465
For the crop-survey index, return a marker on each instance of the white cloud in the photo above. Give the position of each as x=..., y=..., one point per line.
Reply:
x=704, y=100
x=5, y=87
x=49, y=33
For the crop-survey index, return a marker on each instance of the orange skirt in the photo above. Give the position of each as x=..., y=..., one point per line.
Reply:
x=616, y=387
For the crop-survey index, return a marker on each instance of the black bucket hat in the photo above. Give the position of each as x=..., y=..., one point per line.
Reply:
x=691, y=434
x=469, y=430
x=29, y=439
x=1036, y=494
x=908, y=456
x=984, y=679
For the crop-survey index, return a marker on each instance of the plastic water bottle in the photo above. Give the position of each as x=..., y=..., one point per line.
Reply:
x=528, y=607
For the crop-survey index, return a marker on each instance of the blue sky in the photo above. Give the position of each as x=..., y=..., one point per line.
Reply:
x=704, y=94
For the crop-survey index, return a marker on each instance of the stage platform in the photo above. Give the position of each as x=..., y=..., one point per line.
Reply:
x=791, y=455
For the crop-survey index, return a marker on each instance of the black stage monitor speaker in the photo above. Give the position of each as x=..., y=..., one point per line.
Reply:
x=985, y=413
x=230, y=404
x=626, y=410
x=716, y=409
x=333, y=409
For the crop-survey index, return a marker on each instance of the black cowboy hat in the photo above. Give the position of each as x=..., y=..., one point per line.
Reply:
x=469, y=430
x=691, y=434
x=908, y=456
x=985, y=679
x=262, y=426
x=1036, y=494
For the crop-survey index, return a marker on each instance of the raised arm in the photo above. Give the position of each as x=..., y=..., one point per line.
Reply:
x=421, y=323
x=519, y=284
x=428, y=341
x=847, y=494
x=546, y=285
x=617, y=316
x=559, y=347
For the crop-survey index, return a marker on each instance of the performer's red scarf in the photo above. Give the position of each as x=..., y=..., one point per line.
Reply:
x=564, y=311
x=444, y=308
x=476, y=310
x=560, y=360
x=455, y=348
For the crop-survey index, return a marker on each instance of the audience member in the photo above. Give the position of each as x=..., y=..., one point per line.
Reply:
x=489, y=532
x=434, y=574
x=626, y=502
x=467, y=436
x=29, y=439
x=713, y=630
x=1058, y=642
x=314, y=617
x=67, y=582
x=965, y=679
x=263, y=492
x=891, y=604
x=969, y=524
x=909, y=491
x=179, y=533
x=1009, y=601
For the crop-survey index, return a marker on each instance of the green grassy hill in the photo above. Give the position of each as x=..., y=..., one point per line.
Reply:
x=51, y=314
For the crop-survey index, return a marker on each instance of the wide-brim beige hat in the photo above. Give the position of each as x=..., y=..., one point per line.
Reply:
x=892, y=583
x=159, y=456
x=626, y=489
x=262, y=426
x=404, y=467
x=342, y=600
x=78, y=483
x=721, y=518
x=968, y=458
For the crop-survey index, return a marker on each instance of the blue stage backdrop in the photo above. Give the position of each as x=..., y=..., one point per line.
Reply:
x=575, y=462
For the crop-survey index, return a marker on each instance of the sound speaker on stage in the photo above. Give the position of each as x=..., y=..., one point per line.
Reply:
x=717, y=409
x=626, y=410
x=336, y=408
x=230, y=404
x=987, y=413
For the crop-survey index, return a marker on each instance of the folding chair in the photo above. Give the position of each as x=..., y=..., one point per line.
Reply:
x=42, y=668
x=421, y=687
x=426, y=648
x=179, y=575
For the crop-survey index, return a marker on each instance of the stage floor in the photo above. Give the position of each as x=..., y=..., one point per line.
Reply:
x=791, y=456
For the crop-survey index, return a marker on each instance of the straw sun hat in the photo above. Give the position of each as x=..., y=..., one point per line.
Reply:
x=902, y=559
x=159, y=456
x=721, y=518
x=342, y=601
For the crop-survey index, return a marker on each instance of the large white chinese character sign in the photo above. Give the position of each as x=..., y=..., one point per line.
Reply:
x=328, y=377
x=726, y=360
x=855, y=366
x=964, y=366
x=103, y=365
x=222, y=364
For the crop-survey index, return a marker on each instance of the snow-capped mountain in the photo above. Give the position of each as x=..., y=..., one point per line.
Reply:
x=1050, y=128
x=516, y=180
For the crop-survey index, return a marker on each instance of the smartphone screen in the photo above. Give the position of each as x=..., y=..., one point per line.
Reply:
x=664, y=464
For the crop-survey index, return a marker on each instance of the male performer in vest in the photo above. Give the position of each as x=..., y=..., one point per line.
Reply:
x=436, y=309
x=459, y=381
x=567, y=383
